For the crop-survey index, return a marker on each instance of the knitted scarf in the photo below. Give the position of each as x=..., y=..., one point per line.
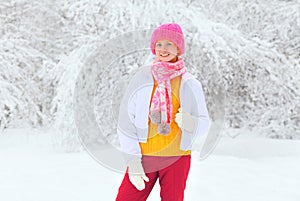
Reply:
x=161, y=104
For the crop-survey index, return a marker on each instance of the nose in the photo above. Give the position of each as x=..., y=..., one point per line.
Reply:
x=164, y=48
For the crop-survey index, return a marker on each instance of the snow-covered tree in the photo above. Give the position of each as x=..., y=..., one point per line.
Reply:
x=245, y=53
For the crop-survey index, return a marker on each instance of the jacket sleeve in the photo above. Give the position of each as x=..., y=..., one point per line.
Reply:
x=126, y=128
x=195, y=105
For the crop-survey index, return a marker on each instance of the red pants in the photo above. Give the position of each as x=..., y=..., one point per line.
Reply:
x=172, y=173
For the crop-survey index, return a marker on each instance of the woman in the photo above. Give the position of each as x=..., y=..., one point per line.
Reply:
x=162, y=112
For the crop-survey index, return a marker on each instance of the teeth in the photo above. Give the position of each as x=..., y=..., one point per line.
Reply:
x=164, y=55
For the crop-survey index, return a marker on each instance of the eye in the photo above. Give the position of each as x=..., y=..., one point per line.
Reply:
x=158, y=44
x=169, y=44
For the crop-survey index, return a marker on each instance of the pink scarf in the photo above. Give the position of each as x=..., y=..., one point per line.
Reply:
x=161, y=104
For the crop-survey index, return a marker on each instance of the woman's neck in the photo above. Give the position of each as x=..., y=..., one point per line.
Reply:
x=174, y=60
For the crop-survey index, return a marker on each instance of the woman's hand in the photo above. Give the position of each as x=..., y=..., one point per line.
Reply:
x=185, y=120
x=136, y=174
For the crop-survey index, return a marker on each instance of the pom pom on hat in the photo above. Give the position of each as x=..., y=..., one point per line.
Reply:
x=169, y=31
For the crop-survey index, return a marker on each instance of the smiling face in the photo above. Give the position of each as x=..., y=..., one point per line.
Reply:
x=166, y=50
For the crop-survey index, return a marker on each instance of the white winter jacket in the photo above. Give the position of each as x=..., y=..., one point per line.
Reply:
x=134, y=110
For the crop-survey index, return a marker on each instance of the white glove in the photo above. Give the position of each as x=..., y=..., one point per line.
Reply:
x=185, y=120
x=136, y=174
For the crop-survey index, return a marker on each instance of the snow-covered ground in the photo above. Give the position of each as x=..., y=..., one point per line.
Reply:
x=240, y=169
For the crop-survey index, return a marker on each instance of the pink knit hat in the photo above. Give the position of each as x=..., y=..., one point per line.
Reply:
x=169, y=31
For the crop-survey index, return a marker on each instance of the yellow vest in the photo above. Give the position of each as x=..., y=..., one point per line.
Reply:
x=169, y=145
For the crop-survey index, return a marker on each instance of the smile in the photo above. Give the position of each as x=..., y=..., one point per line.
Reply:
x=164, y=55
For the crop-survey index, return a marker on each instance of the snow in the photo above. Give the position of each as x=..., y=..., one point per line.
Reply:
x=51, y=50
x=58, y=61
x=243, y=168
